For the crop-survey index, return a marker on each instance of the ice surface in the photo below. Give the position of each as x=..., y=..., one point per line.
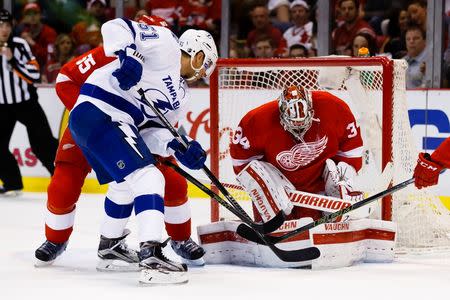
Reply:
x=73, y=275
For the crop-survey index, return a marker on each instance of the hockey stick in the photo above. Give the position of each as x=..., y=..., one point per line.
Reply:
x=182, y=141
x=305, y=254
x=247, y=233
x=268, y=227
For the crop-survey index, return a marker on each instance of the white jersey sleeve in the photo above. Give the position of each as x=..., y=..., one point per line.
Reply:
x=161, y=82
x=117, y=34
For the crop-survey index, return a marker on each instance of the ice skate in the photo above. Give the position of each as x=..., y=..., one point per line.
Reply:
x=189, y=251
x=115, y=256
x=48, y=252
x=158, y=269
x=9, y=193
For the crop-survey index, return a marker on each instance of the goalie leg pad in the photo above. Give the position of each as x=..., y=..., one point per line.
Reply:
x=267, y=187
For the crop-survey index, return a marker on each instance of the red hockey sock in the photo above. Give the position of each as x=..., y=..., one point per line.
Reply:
x=63, y=193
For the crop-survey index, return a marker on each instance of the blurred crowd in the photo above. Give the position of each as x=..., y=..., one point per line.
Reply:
x=282, y=28
x=58, y=30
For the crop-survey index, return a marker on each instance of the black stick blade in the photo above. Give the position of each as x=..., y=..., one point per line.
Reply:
x=249, y=234
x=275, y=223
x=288, y=256
x=299, y=255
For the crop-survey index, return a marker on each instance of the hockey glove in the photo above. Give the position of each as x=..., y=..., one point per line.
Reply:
x=426, y=172
x=193, y=157
x=130, y=71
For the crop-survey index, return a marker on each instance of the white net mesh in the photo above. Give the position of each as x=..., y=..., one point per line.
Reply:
x=423, y=221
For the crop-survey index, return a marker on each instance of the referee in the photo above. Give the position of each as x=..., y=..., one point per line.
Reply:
x=19, y=102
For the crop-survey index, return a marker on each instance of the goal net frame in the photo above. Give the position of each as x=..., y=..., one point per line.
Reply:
x=423, y=222
x=385, y=63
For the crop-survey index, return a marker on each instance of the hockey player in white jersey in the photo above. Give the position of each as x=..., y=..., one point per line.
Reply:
x=109, y=113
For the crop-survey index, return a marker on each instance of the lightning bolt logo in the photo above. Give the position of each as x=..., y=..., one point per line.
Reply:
x=130, y=137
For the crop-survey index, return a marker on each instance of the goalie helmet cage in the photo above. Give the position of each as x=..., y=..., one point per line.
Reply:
x=374, y=88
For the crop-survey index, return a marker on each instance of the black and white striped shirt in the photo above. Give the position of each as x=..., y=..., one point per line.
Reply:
x=18, y=75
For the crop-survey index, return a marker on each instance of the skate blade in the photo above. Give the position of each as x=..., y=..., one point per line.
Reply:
x=115, y=265
x=11, y=194
x=160, y=277
x=42, y=264
x=199, y=262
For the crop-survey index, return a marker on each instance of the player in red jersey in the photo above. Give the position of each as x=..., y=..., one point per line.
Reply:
x=71, y=169
x=309, y=139
x=429, y=166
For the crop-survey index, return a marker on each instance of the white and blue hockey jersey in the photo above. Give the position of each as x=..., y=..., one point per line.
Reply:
x=160, y=80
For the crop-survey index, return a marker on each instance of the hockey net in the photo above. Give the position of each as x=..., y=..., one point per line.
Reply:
x=374, y=88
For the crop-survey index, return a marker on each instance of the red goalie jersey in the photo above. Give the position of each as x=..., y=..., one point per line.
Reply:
x=333, y=134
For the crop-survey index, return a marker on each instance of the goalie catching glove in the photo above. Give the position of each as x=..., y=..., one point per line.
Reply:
x=267, y=187
x=130, y=71
x=338, y=183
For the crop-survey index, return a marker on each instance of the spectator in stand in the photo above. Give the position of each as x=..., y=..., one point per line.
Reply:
x=131, y=8
x=236, y=47
x=374, y=13
x=169, y=10
x=417, y=11
x=139, y=14
x=86, y=33
x=264, y=47
x=64, y=51
x=395, y=42
x=200, y=14
x=416, y=56
x=302, y=31
x=280, y=14
x=262, y=27
x=298, y=50
x=353, y=24
x=19, y=103
x=364, y=40
x=39, y=36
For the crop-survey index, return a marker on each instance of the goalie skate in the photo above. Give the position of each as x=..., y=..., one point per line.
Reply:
x=48, y=252
x=158, y=269
x=115, y=256
x=189, y=251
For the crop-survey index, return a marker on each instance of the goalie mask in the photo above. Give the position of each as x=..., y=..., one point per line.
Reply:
x=193, y=41
x=296, y=113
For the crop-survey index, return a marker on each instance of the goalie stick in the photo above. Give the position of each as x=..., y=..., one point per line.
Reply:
x=247, y=233
x=305, y=254
x=299, y=255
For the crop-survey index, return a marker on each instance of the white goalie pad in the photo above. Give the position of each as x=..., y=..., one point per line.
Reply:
x=341, y=244
x=267, y=187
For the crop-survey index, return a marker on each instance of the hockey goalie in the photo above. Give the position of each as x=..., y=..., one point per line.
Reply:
x=299, y=154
